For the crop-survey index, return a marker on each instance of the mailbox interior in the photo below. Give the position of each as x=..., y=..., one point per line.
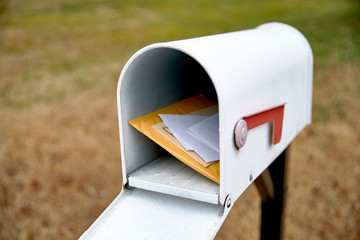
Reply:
x=151, y=80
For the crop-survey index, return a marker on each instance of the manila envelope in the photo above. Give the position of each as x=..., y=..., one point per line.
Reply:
x=152, y=126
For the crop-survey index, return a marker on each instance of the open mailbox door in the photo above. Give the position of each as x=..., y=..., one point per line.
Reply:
x=261, y=80
x=142, y=214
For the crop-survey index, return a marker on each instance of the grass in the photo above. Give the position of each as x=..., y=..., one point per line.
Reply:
x=59, y=65
x=63, y=38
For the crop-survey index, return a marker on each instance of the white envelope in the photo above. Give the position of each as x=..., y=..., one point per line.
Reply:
x=179, y=124
x=208, y=131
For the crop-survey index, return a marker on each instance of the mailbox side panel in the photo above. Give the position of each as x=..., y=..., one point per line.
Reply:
x=278, y=71
x=254, y=70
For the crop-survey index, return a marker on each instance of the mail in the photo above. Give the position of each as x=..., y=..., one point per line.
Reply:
x=197, y=133
x=185, y=129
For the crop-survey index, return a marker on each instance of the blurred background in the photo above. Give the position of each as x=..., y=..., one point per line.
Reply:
x=59, y=147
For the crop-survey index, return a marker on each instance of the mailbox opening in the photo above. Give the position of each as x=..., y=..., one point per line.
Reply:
x=151, y=80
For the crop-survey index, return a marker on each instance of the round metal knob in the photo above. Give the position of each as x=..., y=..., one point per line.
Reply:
x=240, y=133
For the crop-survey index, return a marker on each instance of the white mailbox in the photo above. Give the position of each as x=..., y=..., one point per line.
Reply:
x=262, y=81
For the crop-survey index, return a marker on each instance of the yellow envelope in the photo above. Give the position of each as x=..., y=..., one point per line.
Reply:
x=196, y=104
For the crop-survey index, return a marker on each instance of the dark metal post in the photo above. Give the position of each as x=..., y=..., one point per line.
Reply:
x=272, y=208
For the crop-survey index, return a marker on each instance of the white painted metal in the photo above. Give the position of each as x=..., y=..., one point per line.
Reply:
x=249, y=70
x=169, y=175
x=140, y=214
x=246, y=72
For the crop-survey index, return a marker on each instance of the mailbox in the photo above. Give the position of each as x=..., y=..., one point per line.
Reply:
x=261, y=80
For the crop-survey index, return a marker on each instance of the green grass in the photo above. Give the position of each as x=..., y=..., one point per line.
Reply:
x=47, y=41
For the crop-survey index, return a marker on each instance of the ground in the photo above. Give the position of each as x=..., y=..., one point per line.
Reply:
x=59, y=145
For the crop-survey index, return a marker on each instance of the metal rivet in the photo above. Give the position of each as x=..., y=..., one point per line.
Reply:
x=251, y=177
x=240, y=133
x=228, y=203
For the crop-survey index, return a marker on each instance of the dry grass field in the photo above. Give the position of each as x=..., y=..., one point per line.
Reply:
x=59, y=145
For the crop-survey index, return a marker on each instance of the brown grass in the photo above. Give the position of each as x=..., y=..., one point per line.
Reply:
x=60, y=168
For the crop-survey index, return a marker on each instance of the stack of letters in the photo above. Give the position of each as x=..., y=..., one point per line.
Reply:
x=189, y=130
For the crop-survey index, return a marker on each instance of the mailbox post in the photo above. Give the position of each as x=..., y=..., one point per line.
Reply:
x=261, y=80
x=272, y=186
